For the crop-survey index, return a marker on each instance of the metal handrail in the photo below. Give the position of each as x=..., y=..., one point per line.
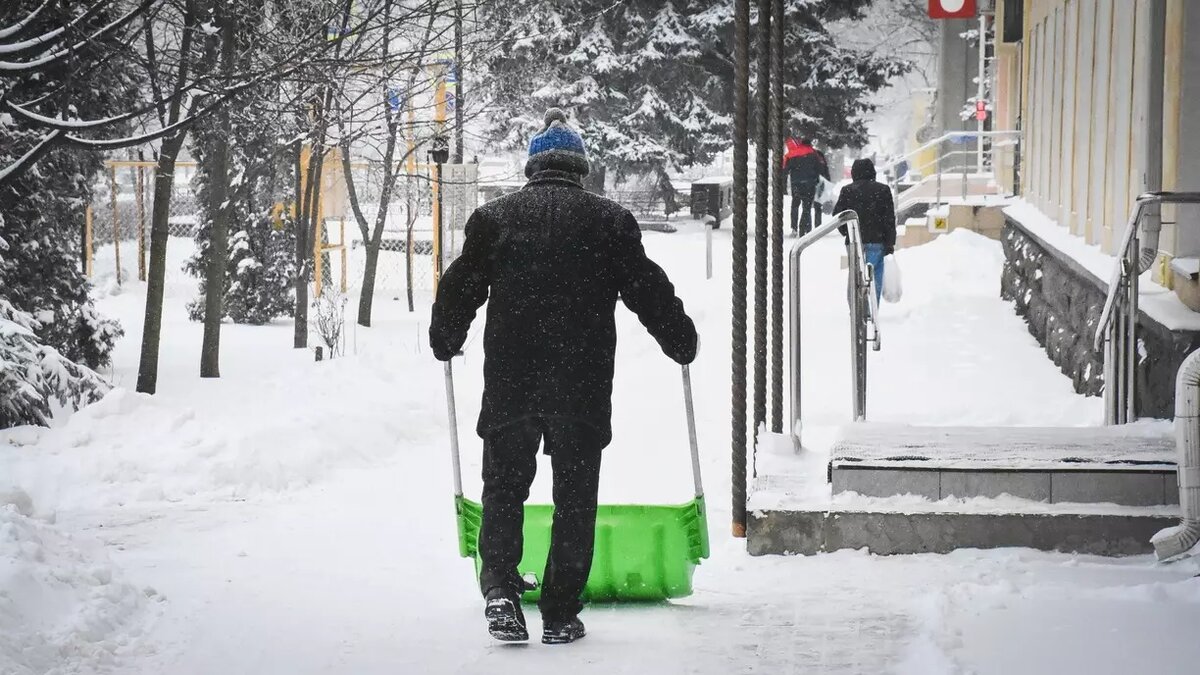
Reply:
x=861, y=313
x=953, y=135
x=1116, y=333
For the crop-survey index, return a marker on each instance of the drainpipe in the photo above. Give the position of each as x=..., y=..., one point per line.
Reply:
x=1153, y=157
x=1180, y=539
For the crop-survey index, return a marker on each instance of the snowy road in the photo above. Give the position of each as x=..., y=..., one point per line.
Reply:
x=296, y=518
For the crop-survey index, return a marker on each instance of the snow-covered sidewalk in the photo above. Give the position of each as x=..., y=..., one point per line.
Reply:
x=295, y=517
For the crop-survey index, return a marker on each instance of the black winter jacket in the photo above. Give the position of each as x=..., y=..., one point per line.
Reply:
x=873, y=203
x=551, y=261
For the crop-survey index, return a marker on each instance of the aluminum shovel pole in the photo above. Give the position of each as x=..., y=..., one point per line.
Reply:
x=691, y=422
x=450, y=408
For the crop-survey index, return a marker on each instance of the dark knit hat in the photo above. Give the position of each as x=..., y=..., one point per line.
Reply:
x=557, y=147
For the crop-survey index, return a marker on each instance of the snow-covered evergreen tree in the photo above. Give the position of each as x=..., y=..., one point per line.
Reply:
x=649, y=81
x=261, y=270
x=35, y=379
x=42, y=208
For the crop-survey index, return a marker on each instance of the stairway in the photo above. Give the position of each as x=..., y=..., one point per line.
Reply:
x=903, y=489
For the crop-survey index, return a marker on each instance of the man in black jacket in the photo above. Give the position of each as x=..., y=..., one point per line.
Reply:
x=872, y=201
x=551, y=261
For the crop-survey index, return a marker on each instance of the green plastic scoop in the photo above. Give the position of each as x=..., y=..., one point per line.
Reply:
x=643, y=552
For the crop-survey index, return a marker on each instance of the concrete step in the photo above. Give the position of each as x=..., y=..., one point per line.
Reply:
x=1113, y=465
x=882, y=532
x=903, y=489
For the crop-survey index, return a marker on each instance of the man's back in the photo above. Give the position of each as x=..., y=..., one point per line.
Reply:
x=551, y=260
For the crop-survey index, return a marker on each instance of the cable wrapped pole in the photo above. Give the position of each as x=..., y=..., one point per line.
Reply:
x=777, y=216
x=741, y=94
x=762, y=175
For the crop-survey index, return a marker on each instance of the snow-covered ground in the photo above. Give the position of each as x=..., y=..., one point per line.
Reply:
x=296, y=517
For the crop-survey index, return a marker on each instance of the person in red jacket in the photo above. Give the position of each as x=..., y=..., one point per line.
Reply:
x=805, y=166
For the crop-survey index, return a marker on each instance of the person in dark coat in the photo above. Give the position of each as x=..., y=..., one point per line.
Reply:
x=550, y=260
x=872, y=201
x=805, y=166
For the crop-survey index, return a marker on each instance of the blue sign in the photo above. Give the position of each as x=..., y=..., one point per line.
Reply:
x=395, y=98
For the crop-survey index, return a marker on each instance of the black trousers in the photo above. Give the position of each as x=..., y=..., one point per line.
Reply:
x=804, y=194
x=509, y=465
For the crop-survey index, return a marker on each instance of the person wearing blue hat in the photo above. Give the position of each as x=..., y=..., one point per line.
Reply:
x=550, y=260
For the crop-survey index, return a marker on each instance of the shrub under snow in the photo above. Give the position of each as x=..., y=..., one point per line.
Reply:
x=36, y=380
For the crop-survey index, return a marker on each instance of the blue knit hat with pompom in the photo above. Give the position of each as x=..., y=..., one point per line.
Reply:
x=557, y=147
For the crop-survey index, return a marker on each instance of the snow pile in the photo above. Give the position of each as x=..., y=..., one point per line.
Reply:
x=227, y=440
x=1084, y=615
x=60, y=605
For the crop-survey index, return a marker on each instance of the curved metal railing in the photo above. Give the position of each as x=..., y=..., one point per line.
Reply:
x=863, y=310
x=1117, y=331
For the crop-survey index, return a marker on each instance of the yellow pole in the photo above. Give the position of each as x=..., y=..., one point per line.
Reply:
x=439, y=112
x=116, y=230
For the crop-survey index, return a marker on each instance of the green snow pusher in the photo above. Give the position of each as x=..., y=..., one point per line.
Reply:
x=643, y=552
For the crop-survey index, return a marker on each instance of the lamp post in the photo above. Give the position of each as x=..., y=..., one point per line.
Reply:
x=439, y=153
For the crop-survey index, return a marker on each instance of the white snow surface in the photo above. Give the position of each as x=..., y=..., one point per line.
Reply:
x=1154, y=299
x=296, y=517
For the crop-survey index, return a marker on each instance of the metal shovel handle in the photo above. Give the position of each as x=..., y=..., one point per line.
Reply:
x=687, y=403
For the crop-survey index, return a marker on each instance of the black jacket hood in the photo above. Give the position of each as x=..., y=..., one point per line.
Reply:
x=863, y=169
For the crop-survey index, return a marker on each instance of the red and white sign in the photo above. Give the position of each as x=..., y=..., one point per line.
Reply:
x=952, y=9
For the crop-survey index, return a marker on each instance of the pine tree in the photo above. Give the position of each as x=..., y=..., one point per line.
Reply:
x=260, y=272
x=648, y=81
x=42, y=208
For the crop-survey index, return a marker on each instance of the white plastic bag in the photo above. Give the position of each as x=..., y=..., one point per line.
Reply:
x=893, y=289
x=826, y=194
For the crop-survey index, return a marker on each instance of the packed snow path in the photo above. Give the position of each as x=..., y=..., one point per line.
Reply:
x=297, y=518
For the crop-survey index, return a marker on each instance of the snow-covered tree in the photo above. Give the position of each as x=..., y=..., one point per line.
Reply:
x=35, y=379
x=42, y=207
x=649, y=81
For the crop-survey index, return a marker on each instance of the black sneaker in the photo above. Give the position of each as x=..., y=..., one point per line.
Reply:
x=506, y=621
x=556, y=632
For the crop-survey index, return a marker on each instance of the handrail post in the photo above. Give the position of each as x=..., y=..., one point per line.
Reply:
x=855, y=263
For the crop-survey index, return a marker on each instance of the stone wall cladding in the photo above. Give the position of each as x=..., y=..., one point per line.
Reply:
x=1061, y=302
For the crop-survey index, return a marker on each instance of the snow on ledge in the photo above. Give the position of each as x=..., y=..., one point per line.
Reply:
x=1157, y=302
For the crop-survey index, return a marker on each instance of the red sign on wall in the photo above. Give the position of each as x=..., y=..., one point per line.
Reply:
x=952, y=9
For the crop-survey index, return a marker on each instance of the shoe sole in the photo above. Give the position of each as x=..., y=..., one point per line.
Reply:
x=558, y=639
x=503, y=623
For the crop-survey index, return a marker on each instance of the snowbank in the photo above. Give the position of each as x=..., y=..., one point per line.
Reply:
x=61, y=605
x=227, y=440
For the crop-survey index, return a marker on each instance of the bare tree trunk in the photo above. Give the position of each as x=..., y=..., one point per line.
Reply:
x=164, y=178
x=368, y=295
x=218, y=245
x=164, y=174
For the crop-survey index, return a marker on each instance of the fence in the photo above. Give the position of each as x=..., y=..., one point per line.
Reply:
x=118, y=220
x=119, y=215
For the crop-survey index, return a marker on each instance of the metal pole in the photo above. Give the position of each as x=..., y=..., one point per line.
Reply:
x=980, y=90
x=777, y=178
x=741, y=94
x=453, y=414
x=796, y=335
x=708, y=241
x=690, y=409
x=1131, y=346
x=762, y=141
